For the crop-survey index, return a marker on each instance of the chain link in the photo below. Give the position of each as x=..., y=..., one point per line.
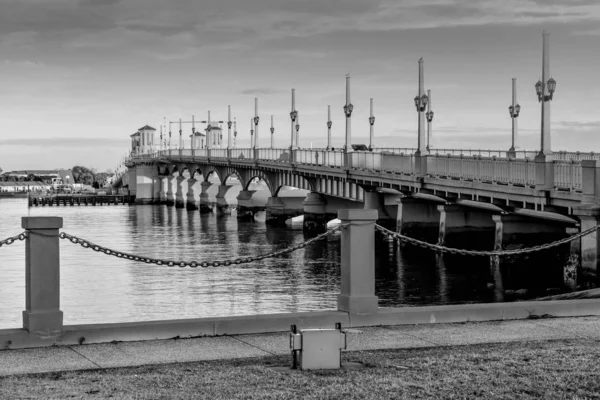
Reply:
x=451, y=250
x=12, y=239
x=193, y=264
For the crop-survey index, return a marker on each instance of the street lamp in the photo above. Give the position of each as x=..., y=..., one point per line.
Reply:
x=513, y=110
x=421, y=100
x=348, y=107
x=234, y=132
x=329, y=123
x=297, y=130
x=545, y=92
x=371, y=123
x=251, y=134
x=293, y=115
x=272, y=132
x=228, y=127
x=256, y=119
x=429, y=117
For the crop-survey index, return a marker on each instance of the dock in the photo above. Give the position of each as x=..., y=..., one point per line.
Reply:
x=79, y=199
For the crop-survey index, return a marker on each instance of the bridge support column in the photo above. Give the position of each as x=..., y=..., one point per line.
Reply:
x=464, y=225
x=144, y=184
x=208, y=197
x=132, y=180
x=226, y=198
x=284, y=207
x=162, y=196
x=42, y=315
x=589, y=216
x=418, y=218
x=544, y=172
x=533, y=273
x=315, y=215
x=181, y=192
x=156, y=189
x=358, y=262
x=193, y=194
x=250, y=202
x=169, y=194
x=376, y=201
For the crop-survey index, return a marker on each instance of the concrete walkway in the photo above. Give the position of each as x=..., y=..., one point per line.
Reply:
x=125, y=354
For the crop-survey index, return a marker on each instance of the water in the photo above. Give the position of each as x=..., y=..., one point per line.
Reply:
x=96, y=288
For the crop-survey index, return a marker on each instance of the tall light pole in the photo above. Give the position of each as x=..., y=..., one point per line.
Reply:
x=329, y=123
x=234, y=132
x=293, y=115
x=228, y=127
x=193, y=132
x=371, y=123
x=180, y=137
x=256, y=119
x=169, y=135
x=429, y=116
x=545, y=91
x=251, y=133
x=298, y=130
x=272, y=132
x=514, y=110
x=421, y=104
x=161, y=139
x=348, y=113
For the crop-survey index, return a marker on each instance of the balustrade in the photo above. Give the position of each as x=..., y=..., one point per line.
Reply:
x=218, y=153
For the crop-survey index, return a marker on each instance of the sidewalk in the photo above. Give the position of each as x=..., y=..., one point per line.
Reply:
x=125, y=354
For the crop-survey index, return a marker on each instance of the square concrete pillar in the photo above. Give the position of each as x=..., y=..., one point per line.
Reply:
x=590, y=181
x=358, y=262
x=42, y=315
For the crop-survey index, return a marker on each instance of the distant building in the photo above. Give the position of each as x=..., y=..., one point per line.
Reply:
x=45, y=175
x=142, y=141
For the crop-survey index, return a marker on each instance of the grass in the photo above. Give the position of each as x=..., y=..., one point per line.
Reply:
x=562, y=369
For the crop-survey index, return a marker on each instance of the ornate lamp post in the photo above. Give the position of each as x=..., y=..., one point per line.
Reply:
x=297, y=130
x=251, y=133
x=256, y=119
x=228, y=127
x=272, y=132
x=513, y=111
x=293, y=115
x=180, y=137
x=161, y=137
x=193, y=132
x=234, y=131
x=429, y=116
x=421, y=103
x=371, y=123
x=545, y=91
x=348, y=113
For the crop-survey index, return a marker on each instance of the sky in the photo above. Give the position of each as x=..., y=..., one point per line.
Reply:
x=78, y=77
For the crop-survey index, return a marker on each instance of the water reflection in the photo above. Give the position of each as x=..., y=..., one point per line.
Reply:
x=96, y=288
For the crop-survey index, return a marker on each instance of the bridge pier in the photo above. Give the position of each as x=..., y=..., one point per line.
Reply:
x=181, y=192
x=193, y=194
x=132, y=180
x=284, y=207
x=162, y=195
x=208, y=196
x=170, y=195
x=250, y=202
x=376, y=201
x=226, y=198
x=459, y=224
x=418, y=218
x=144, y=183
x=156, y=188
x=315, y=213
x=589, y=247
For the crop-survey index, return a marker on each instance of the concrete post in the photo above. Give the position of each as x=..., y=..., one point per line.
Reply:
x=348, y=112
x=544, y=172
x=421, y=139
x=193, y=194
x=358, y=262
x=42, y=315
x=545, y=148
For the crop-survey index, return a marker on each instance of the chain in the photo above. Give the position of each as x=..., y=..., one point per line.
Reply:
x=193, y=264
x=11, y=240
x=450, y=250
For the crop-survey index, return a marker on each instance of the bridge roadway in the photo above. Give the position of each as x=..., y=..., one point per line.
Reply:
x=545, y=184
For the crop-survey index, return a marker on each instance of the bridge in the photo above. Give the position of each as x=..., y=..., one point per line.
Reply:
x=515, y=196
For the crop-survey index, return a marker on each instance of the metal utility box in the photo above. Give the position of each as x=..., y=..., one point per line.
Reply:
x=317, y=348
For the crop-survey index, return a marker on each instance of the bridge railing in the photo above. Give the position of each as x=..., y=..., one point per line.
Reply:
x=568, y=175
x=242, y=153
x=218, y=153
x=282, y=155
